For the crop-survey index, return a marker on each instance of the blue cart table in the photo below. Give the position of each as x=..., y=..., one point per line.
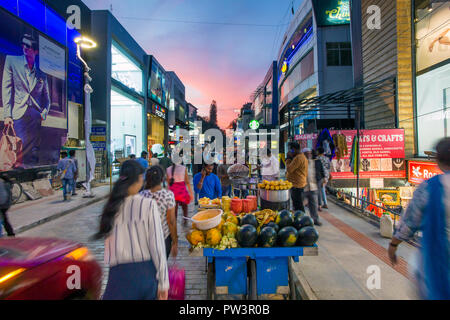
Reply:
x=251, y=271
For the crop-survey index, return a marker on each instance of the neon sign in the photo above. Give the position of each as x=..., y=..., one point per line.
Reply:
x=332, y=12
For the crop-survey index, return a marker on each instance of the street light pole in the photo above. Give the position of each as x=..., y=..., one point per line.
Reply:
x=83, y=42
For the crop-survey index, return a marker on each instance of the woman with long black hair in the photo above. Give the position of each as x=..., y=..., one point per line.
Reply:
x=134, y=241
x=166, y=202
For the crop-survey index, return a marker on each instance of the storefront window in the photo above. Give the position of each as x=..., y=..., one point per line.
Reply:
x=158, y=86
x=155, y=127
x=433, y=107
x=125, y=70
x=126, y=125
x=433, y=73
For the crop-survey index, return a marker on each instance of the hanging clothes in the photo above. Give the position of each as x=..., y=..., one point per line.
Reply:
x=325, y=141
x=340, y=141
x=354, y=155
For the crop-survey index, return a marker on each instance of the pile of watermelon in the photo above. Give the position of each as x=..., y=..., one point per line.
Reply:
x=287, y=231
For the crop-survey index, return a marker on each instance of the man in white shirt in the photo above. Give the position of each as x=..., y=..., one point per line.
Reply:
x=270, y=167
x=26, y=98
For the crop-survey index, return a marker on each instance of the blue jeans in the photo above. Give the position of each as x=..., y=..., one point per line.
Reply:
x=67, y=186
x=73, y=185
x=240, y=193
x=226, y=191
x=322, y=196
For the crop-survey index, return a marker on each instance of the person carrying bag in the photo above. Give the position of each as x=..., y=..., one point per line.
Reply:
x=10, y=149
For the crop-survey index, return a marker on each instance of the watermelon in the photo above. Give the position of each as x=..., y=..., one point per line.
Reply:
x=249, y=219
x=287, y=237
x=304, y=221
x=247, y=235
x=307, y=236
x=267, y=237
x=284, y=219
x=299, y=219
x=273, y=225
x=299, y=213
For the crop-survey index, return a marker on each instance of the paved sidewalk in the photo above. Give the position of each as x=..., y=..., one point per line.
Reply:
x=348, y=246
x=195, y=267
x=29, y=214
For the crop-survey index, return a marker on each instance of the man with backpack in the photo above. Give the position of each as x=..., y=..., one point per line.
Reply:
x=5, y=204
x=66, y=169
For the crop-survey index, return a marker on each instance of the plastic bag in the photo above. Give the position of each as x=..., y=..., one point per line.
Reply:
x=177, y=280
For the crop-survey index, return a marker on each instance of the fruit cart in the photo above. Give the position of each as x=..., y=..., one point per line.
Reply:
x=252, y=272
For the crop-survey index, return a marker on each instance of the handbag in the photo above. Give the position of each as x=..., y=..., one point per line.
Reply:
x=177, y=281
x=10, y=149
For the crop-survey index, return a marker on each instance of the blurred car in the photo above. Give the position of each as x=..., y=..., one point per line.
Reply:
x=47, y=269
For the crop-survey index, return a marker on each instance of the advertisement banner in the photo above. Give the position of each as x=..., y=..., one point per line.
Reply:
x=382, y=153
x=33, y=109
x=419, y=171
x=433, y=34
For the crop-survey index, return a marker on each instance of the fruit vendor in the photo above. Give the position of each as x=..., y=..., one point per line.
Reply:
x=207, y=184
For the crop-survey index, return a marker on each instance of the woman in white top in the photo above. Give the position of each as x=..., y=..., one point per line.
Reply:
x=134, y=241
x=166, y=202
x=178, y=180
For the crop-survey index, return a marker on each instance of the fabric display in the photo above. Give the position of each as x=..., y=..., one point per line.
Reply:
x=326, y=142
x=354, y=155
x=340, y=142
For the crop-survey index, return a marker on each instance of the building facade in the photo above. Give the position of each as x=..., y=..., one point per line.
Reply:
x=265, y=99
x=410, y=47
x=178, y=112
x=314, y=59
x=34, y=35
x=157, y=112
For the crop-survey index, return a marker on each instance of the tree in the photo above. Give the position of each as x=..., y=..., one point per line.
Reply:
x=213, y=114
x=233, y=125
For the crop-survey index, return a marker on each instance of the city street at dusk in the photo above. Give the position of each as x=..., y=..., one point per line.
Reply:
x=235, y=157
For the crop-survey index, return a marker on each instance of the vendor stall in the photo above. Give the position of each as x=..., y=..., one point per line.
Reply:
x=248, y=247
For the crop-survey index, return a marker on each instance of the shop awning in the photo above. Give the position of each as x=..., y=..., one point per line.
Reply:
x=344, y=101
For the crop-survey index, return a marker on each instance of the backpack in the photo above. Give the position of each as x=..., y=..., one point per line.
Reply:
x=5, y=194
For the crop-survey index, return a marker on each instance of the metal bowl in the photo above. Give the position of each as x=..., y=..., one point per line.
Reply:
x=274, y=195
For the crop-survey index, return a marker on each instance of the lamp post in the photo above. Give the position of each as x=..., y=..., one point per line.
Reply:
x=86, y=43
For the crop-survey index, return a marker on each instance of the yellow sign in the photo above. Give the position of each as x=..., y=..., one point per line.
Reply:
x=98, y=138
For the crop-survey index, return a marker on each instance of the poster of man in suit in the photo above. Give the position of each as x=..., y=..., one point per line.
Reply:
x=32, y=73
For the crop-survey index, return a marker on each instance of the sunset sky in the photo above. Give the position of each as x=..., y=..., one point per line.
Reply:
x=220, y=49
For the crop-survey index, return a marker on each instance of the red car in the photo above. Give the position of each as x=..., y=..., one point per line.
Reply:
x=47, y=269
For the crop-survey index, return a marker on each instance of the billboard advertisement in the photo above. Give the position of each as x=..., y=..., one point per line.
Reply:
x=433, y=37
x=419, y=171
x=382, y=153
x=33, y=111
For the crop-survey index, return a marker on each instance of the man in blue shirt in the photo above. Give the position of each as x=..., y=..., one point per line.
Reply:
x=143, y=160
x=207, y=184
x=66, y=167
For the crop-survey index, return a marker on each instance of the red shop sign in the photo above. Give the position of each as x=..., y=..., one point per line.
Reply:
x=419, y=171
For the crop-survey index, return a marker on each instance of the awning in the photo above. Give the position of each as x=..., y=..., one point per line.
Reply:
x=341, y=102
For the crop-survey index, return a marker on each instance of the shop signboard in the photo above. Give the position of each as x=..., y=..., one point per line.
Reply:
x=382, y=153
x=331, y=12
x=34, y=103
x=98, y=138
x=159, y=111
x=419, y=171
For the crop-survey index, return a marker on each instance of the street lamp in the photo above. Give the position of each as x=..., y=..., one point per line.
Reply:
x=86, y=43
